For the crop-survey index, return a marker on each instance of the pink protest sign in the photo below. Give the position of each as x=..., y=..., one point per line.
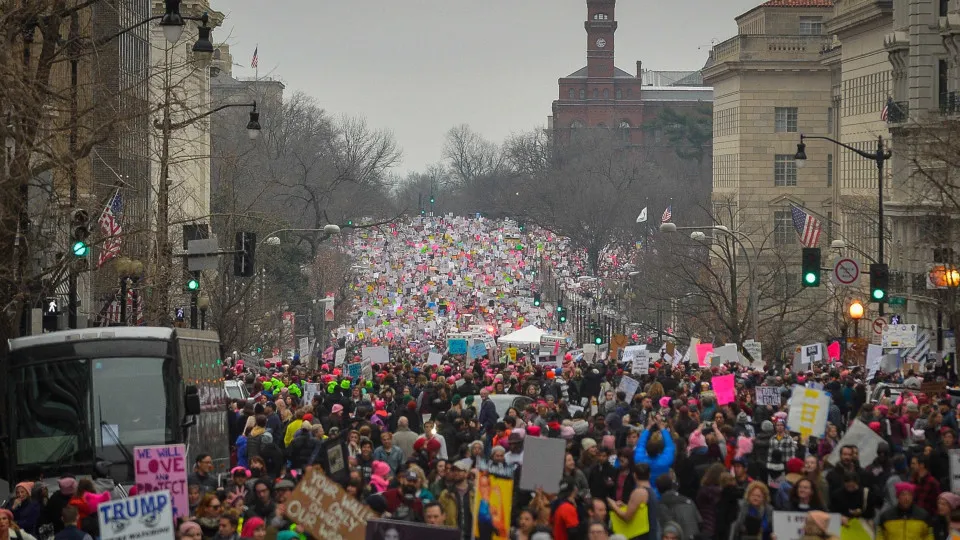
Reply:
x=723, y=388
x=161, y=468
x=833, y=350
x=703, y=349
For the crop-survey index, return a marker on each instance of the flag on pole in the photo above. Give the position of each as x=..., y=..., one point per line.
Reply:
x=885, y=113
x=255, y=61
x=667, y=215
x=807, y=226
x=110, y=228
x=642, y=218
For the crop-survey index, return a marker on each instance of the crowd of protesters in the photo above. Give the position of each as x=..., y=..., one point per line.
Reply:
x=668, y=463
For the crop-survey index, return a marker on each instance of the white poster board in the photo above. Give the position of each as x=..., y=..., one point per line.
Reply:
x=954, y=458
x=641, y=362
x=142, y=516
x=790, y=525
x=542, y=464
x=376, y=355
x=339, y=357
x=861, y=436
x=755, y=350
x=874, y=358
x=899, y=336
x=434, y=358
x=808, y=412
x=768, y=395
x=629, y=386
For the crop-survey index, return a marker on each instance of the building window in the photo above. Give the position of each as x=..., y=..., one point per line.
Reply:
x=596, y=93
x=784, y=170
x=619, y=93
x=811, y=26
x=570, y=93
x=785, y=119
x=576, y=124
x=606, y=93
x=583, y=94
x=783, y=231
x=829, y=170
x=601, y=17
x=944, y=7
x=829, y=120
x=624, y=129
x=943, y=74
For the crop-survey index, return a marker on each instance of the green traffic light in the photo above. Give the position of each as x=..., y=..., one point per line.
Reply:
x=193, y=285
x=878, y=294
x=598, y=340
x=559, y=309
x=810, y=277
x=80, y=248
x=349, y=223
x=431, y=200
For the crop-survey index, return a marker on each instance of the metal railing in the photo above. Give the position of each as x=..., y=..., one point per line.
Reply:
x=949, y=103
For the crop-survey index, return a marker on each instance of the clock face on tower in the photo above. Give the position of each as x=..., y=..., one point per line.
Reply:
x=601, y=43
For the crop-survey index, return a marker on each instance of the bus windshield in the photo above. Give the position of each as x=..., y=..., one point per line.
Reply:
x=65, y=406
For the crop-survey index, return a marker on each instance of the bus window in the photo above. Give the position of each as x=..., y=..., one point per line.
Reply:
x=50, y=405
x=131, y=401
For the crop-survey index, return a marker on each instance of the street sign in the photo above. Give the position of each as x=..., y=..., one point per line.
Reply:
x=845, y=272
x=878, y=325
x=202, y=255
x=897, y=301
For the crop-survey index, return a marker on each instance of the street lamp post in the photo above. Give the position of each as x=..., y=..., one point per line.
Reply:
x=856, y=313
x=736, y=235
x=880, y=156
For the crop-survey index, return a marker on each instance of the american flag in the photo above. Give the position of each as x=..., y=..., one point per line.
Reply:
x=256, y=58
x=885, y=113
x=807, y=226
x=667, y=215
x=110, y=228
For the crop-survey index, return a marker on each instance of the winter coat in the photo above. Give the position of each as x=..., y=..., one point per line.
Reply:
x=661, y=463
x=304, y=447
x=708, y=502
x=766, y=519
x=675, y=507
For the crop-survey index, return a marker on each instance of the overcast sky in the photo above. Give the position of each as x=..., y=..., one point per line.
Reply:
x=419, y=67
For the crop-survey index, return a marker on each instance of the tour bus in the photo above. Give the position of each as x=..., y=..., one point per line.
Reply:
x=79, y=401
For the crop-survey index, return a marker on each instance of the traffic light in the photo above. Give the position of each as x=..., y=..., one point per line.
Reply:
x=423, y=212
x=811, y=267
x=349, y=223
x=597, y=334
x=522, y=226
x=79, y=232
x=245, y=246
x=536, y=299
x=562, y=312
x=193, y=284
x=432, y=200
x=879, y=281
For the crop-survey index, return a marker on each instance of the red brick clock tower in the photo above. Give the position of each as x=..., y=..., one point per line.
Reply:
x=600, y=95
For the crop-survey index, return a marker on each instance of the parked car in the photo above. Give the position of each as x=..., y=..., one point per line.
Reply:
x=881, y=390
x=236, y=390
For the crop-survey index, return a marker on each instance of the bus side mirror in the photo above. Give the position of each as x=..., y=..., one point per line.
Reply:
x=191, y=400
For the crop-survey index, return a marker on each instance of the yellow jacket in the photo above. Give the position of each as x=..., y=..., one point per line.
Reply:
x=292, y=430
x=895, y=524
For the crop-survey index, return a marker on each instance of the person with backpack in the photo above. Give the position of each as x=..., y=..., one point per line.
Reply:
x=677, y=508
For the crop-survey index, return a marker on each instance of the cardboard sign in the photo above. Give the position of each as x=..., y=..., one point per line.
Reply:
x=163, y=468
x=321, y=506
x=768, y=395
x=147, y=516
x=542, y=464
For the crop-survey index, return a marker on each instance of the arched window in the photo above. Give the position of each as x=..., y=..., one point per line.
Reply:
x=601, y=17
x=583, y=94
x=570, y=93
x=606, y=93
x=624, y=130
x=596, y=93
x=619, y=93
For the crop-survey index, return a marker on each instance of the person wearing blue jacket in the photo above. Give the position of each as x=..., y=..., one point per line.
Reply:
x=658, y=454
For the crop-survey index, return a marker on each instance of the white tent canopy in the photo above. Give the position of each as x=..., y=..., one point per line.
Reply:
x=528, y=335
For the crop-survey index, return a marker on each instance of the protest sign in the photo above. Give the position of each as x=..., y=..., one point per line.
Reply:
x=512, y=353
x=768, y=395
x=309, y=391
x=434, y=358
x=376, y=355
x=861, y=436
x=704, y=352
x=641, y=362
x=808, y=412
x=631, y=352
x=811, y=353
x=833, y=350
x=589, y=352
x=790, y=525
x=163, y=468
x=353, y=370
x=954, y=460
x=477, y=350
x=691, y=350
x=304, y=346
x=542, y=464
x=391, y=529
x=494, y=488
x=874, y=357
x=146, y=516
x=723, y=387
x=339, y=357
x=727, y=354
x=755, y=350
x=321, y=506
x=457, y=346
x=629, y=387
